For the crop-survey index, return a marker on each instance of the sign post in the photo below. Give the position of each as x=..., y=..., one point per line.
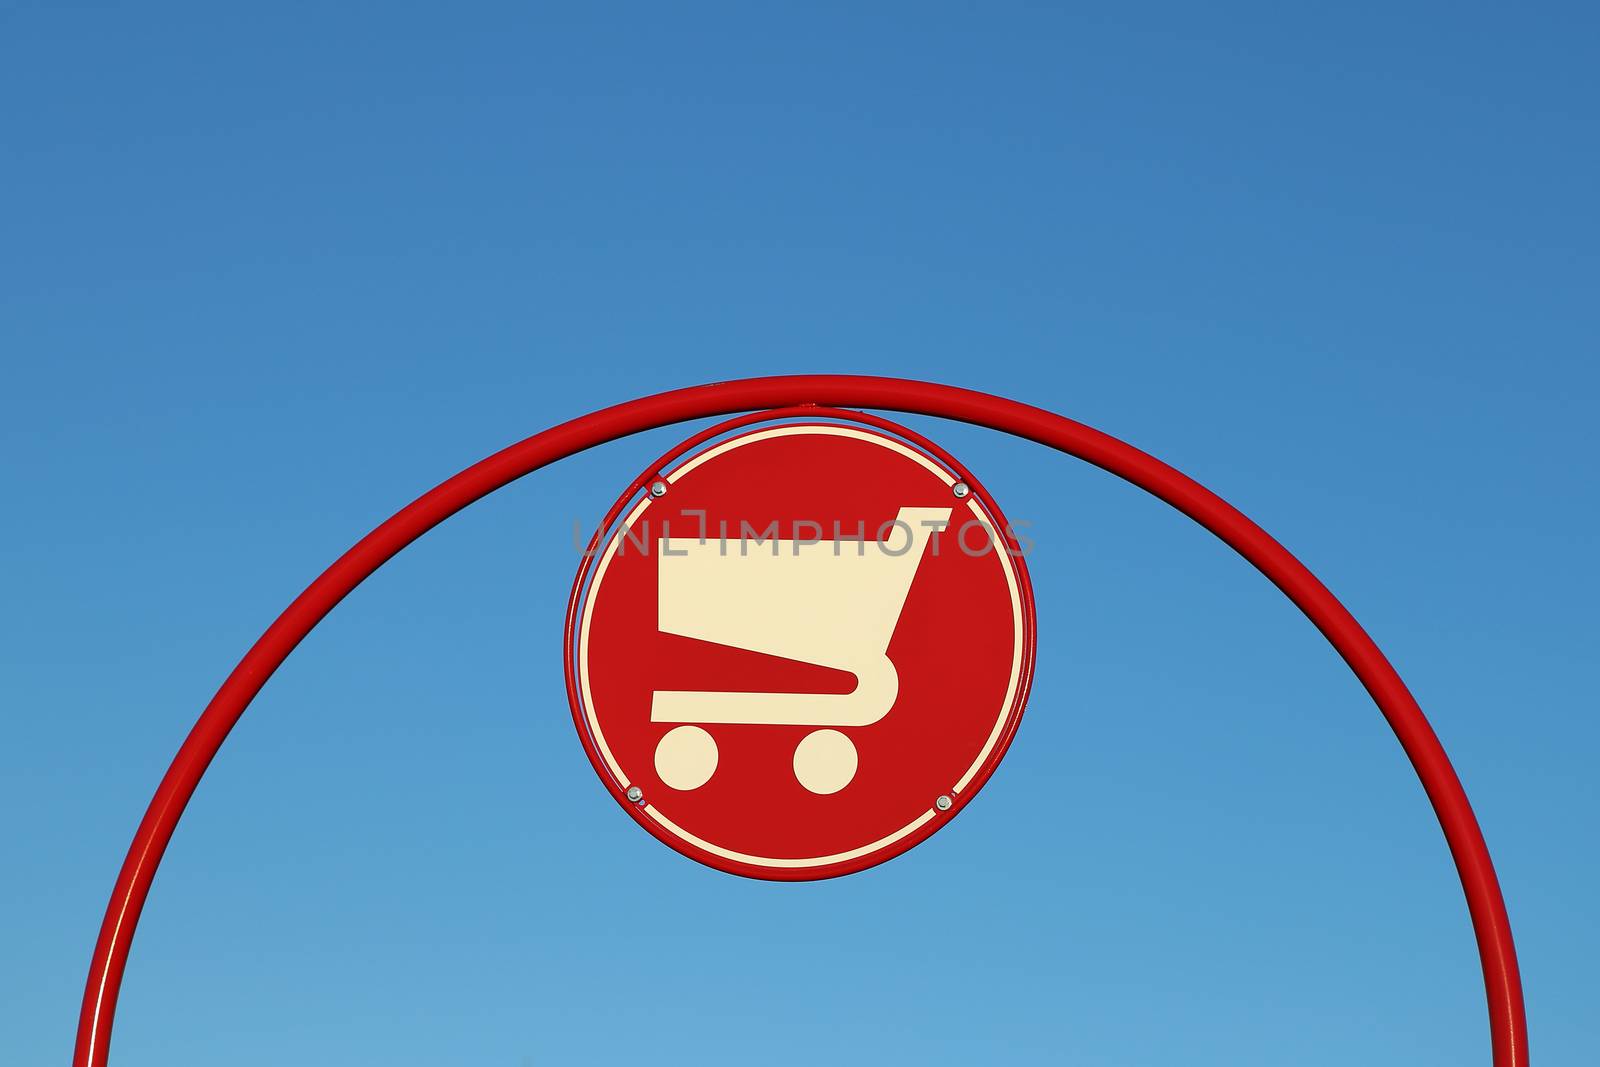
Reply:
x=783, y=396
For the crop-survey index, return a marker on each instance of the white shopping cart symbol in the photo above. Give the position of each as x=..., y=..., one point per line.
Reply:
x=829, y=603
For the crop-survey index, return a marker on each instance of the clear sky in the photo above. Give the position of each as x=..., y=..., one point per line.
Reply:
x=268, y=273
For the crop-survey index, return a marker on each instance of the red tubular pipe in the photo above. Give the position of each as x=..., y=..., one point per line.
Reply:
x=1502, y=984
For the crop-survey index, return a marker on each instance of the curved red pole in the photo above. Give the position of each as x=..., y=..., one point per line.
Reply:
x=1507, y=1021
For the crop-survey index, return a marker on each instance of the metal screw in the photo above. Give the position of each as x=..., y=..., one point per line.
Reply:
x=658, y=489
x=943, y=803
x=636, y=794
x=961, y=489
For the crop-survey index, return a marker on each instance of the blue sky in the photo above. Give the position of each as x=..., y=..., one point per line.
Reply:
x=266, y=275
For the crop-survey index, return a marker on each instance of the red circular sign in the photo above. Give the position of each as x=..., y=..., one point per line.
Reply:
x=801, y=650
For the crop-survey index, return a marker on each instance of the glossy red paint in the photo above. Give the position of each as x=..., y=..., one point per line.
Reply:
x=1491, y=925
x=948, y=729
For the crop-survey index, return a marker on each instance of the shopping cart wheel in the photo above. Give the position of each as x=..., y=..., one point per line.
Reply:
x=825, y=761
x=686, y=757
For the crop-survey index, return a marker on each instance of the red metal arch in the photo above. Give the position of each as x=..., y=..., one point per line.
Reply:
x=1502, y=984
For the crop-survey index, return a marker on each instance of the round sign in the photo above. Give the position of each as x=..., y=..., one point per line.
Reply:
x=801, y=650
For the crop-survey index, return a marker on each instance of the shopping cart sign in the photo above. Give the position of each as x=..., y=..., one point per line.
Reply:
x=801, y=650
